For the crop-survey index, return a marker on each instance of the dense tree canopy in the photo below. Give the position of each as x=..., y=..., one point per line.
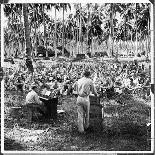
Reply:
x=88, y=24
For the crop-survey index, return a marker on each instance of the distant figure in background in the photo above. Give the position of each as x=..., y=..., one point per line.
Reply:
x=110, y=92
x=20, y=84
x=84, y=86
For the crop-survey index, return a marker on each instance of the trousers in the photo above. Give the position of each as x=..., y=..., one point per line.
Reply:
x=83, y=107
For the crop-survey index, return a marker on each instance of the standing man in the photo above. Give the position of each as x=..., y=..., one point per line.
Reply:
x=83, y=87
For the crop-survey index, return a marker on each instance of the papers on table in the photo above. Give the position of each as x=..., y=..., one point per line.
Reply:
x=43, y=98
x=118, y=90
x=60, y=111
x=48, y=93
x=45, y=92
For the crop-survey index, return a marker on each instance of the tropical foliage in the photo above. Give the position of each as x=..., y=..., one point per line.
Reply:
x=87, y=27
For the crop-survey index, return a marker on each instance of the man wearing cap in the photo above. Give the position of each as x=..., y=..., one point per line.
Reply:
x=32, y=100
x=83, y=87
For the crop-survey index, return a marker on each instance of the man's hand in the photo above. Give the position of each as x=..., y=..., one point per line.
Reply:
x=96, y=94
x=41, y=102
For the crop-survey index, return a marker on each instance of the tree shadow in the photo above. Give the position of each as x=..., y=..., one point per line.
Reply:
x=10, y=144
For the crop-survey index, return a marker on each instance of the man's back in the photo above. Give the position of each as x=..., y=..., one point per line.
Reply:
x=31, y=97
x=84, y=86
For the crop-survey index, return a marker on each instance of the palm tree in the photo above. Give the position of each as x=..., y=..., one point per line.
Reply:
x=96, y=22
x=39, y=14
x=136, y=31
x=46, y=20
x=80, y=25
x=143, y=23
x=13, y=12
x=43, y=15
x=115, y=7
x=88, y=5
x=64, y=7
x=109, y=12
x=38, y=17
x=56, y=6
x=27, y=29
x=127, y=26
x=71, y=29
x=81, y=21
x=112, y=29
x=77, y=7
x=35, y=25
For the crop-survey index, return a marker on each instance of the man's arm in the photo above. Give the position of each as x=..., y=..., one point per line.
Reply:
x=75, y=86
x=111, y=83
x=37, y=99
x=93, y=89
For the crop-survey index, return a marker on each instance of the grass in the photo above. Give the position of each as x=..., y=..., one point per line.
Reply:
x=62, y=135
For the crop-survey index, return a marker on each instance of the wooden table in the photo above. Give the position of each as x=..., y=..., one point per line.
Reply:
x=51, y=106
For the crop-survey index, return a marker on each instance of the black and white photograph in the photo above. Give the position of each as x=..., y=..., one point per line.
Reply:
x=77, y=77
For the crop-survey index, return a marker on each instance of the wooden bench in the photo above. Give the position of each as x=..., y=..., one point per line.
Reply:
x=15, y=111
x=31, y=109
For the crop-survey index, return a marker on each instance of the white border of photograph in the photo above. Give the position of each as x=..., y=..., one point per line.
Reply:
x=152, y=76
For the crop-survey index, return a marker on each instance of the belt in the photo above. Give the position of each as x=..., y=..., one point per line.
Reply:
x=83, y=96
x=31, y=104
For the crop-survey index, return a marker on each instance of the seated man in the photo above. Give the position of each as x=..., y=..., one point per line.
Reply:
x=33, y=101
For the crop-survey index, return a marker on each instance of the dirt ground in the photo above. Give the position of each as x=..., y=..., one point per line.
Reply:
x=127, y=130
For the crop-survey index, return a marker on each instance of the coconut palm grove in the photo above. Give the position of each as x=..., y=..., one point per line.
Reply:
x=50, y=45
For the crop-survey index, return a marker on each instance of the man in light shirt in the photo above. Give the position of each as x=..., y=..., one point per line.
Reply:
x=84, y=86
x=32, y=96
x=32, y=99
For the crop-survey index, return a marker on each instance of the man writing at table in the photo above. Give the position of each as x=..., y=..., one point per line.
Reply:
x=33, y=101
x=83, y=87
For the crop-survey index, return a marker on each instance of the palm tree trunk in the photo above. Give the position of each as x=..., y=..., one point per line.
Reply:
x=55, y=48
x=87, y=45
x=27, y=28
x=91, y=34
x=43, y=14
x=20, y=22
x=80, y=22
x=51, y=36
x=77, y=36
x=12, y=22
x=112, y=29
x=149, y=36
x=65, y=34
x=146, y=43
x=140, y=42
x=73, y=48
x=136, y=34
x=35, y=32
